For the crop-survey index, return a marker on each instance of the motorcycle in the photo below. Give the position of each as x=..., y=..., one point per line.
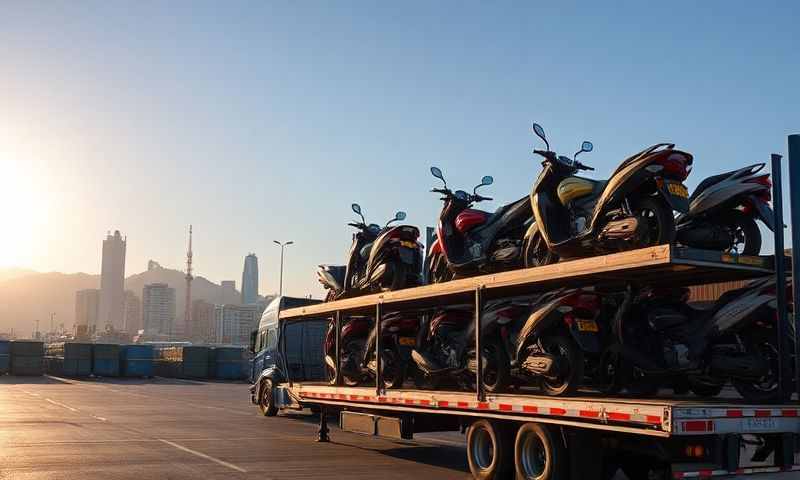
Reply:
x=723, y=210
x=446, y=351
x=398, y=337
x=471, y=241
x=658, y=338
x=388, y=258
x=553, y=341
x=576, y=216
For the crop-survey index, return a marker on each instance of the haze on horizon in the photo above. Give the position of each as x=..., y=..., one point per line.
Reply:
x=265, y=121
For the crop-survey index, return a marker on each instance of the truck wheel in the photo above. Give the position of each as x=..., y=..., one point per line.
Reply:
x=489, y=450
x=538, y=454
x=266, y=400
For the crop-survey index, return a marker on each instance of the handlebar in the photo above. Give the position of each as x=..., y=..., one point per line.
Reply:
x=581, y=166
x=443, y=191
x=356, y=225
x=480, y=198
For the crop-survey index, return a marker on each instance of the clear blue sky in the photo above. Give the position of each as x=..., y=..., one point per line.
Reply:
x=264, y=120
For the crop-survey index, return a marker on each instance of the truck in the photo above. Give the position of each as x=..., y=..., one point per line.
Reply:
x=536, y=436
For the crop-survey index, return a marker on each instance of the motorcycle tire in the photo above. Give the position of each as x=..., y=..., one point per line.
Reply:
x=739, y=224
x=393, y=369
x=400, y=277
x=536, y=252
x=496, y=367
x=660, y=221
x=356, y=348
x=766, y=390
x=568, y=351
x=705, y=390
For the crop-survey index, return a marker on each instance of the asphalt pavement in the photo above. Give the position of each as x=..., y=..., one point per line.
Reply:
x=161, y=428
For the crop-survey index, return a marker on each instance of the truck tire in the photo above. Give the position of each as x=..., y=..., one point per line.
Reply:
x=539, y=454
x=489, y=450
x=266, y=399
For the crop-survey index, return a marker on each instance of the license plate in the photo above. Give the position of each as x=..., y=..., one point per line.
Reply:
x=678, y=189
x=408, y=244
x=407, y=341
x=587, y=325
x=759, y=424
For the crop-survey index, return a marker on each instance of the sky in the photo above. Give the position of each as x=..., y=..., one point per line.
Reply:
x=257, y=121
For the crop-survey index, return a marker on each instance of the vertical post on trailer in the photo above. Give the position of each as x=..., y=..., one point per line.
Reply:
x=794, y=204
x=338, y=362
x=478, y=347
x=378, y=350
x=780, y=271
x=322, y=433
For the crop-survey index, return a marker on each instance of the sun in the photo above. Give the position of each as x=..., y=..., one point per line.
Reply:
x=22, y=210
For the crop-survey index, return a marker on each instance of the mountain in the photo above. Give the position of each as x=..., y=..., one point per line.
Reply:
x=14, y=272
x=27, y=296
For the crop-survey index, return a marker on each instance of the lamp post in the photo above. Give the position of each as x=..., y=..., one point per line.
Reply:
x=282, y=245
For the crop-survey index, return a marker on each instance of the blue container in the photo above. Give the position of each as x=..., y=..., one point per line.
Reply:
x=77, y=360
x=137, y=360
x=106, y=360
x=230, y=363
x=5, y=357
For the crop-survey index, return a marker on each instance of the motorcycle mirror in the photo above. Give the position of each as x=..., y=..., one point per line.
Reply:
x=357, y=208
x=436, y=172
x=400, y=216
x=487, y=180
x=539, y=131
x=586, y=146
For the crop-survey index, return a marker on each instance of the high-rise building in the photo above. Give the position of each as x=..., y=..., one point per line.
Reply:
x=133, y=312
x=158, y=304
x=87, y=304
x=228, y=284
x=202, y=326
x=250, y=279
x=233, y=323
x=112, y=283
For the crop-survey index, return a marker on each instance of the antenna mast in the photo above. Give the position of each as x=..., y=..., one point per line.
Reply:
x=187, y=314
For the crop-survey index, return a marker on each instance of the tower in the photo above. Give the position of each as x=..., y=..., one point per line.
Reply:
x=250, y=279
x=111, y=313
x=187, y=314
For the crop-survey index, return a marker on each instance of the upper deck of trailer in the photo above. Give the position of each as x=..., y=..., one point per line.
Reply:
x=679, y=266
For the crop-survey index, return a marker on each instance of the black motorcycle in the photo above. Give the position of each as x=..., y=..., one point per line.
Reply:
x=723, y=210
x=388, y=258
x=471, y=241
x=578, y=217
x=659, y=339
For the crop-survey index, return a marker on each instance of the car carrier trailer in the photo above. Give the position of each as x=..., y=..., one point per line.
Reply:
x=577, y=437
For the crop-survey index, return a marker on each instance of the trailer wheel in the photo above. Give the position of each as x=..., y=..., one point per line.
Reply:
x=266, y=400
x=489, y=450
x=538, y=454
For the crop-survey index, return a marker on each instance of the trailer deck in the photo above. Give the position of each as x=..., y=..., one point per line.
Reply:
x=663, y=263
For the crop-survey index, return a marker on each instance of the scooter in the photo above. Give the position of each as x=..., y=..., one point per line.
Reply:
x=657, y=336
x=578, y=217
x=379, y=259
x=398, y=337
x=446, y=350
x=556, y=341
x=471, y=241
x=723, y=210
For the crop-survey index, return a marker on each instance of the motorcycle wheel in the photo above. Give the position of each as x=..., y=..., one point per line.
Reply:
x=744, y=232
x=659, y=222
x=704, y=389
x=536, y=252
x=571, y=359
x=393, y=371
x=766, y=389
x=496, y=372
x=352, y=349
x=400, y=277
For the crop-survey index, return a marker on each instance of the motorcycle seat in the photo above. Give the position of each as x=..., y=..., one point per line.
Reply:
x=521, y=209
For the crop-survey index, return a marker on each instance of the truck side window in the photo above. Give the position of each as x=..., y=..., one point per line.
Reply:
x=272, y=339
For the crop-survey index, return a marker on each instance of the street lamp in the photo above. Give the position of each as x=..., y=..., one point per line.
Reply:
x=282, y=245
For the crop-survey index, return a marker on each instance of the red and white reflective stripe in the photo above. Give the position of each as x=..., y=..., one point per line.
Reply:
x=739, y=471
x=604, y=415
x=687, y=413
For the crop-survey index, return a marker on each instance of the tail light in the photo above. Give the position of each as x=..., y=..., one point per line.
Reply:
x=676, y=166
x=764, y=180
x=583, y=302
x=408, y=232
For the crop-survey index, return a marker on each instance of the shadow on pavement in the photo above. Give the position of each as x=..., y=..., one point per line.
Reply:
x=33, y=380
x=438, y=456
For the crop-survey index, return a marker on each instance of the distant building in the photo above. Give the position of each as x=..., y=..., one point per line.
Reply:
x=250, y=279
x=87, y=305
x=202, y=326
x=228, y=284
x=112, y=281
x=133, y=312
x=158, y=303
x=233, y=323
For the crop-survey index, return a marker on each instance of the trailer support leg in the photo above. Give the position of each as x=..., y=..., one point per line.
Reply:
x=784, y=376
x=794, y=204
x=322, y=435
x=478, y=345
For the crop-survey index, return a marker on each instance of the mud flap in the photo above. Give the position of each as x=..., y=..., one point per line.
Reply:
x=764, y=212
x=677, y=202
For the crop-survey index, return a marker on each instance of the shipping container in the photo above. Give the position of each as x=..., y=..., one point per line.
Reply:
x=230, y=363
x=106, y=360
x=137, y=360
x=197, y=362
x=5, y=357
x=27, y=358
